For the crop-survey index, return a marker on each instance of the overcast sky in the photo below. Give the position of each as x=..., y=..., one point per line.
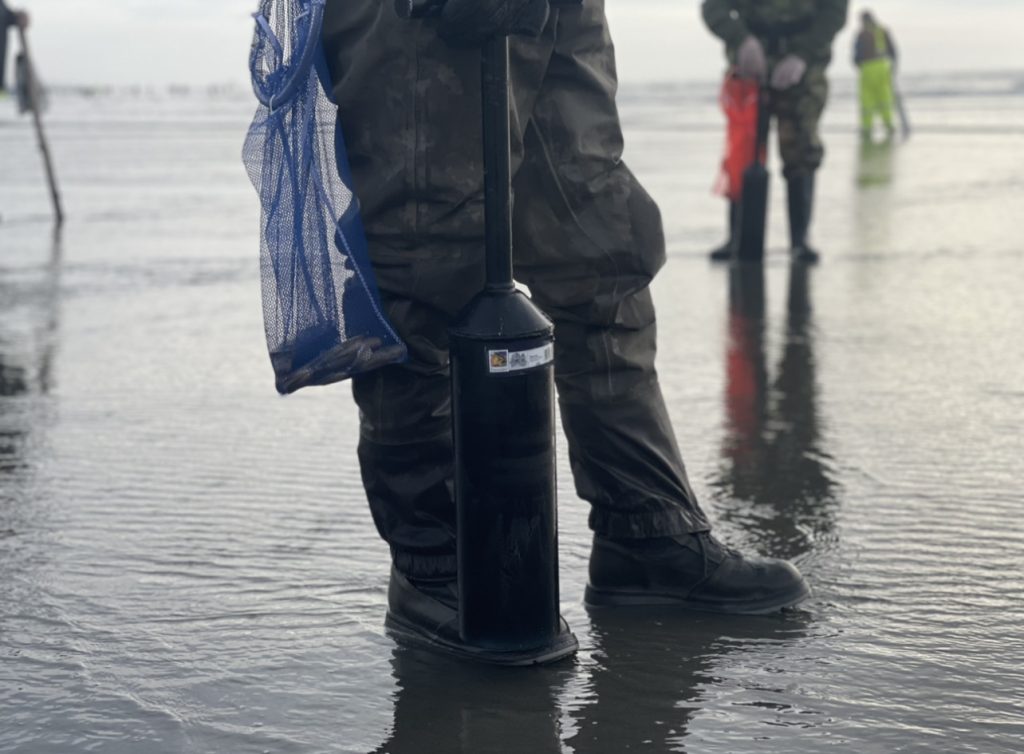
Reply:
x=206, y=41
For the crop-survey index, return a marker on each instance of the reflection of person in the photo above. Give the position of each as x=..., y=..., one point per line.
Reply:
x=588, y=242
x=788, y=45
x=773, y=452
x=874, y=52
x=12, y=379
x=451, y=707
x=875, y=163
x=872, y=206
x=642, y=688
x=8, y=18
x=647, y=685
x=26, y=364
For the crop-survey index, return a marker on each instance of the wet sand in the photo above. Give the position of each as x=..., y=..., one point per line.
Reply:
x=188, y=563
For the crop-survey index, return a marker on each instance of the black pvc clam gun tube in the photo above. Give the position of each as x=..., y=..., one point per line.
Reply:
x=503, y=417
x=502, y=361
x=502, y=353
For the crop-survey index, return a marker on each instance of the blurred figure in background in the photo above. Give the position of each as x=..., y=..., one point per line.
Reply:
x=8, y=18
x=786, y=44
x=875, y=54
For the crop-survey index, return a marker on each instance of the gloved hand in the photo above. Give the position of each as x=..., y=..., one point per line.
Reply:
x=788, y=72
x=750, y=59
x=469, y=23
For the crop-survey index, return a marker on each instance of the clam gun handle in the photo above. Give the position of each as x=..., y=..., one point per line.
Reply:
x=430, y=8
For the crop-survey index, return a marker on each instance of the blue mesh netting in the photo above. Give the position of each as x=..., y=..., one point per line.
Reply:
x=321, y=308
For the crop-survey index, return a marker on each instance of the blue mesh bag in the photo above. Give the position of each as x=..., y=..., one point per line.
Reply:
x=321, y=307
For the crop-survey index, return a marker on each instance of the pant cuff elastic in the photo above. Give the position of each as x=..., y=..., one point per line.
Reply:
x=420, y=567
x=664, y=523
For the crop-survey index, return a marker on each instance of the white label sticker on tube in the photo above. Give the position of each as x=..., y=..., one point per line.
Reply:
x=514, y=361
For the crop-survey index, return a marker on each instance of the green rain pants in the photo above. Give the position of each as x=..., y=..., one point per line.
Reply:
x=876, y=96
x=588, y=241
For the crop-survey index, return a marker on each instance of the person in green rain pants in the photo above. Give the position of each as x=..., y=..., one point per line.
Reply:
x=875, y=54
x=786, y=44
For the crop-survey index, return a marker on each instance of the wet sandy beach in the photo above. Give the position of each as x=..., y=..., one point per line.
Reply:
x=187, y=562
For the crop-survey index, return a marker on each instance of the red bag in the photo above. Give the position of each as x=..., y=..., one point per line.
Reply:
x=739, y=101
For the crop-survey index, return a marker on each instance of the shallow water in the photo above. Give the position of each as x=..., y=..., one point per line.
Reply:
x=188, y=563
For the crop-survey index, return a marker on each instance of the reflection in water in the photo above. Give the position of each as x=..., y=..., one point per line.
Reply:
x=873, y=200
x=51, y=307
x=773, y=451
x=653, y=667
x=875, y=166
x=646, y=679
x=13, y=379
x=34, y=348
x=26, y=354
x=456, y=707
x=13, y=382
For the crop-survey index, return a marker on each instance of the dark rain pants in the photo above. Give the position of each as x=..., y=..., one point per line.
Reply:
x=588, y=241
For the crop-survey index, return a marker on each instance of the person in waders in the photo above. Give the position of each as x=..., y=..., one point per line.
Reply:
x=875, y=54
x=787, y=45
x=588, y=241
x=8, y=18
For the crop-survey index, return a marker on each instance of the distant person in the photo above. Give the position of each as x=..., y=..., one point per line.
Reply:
x=786, y=44
x=875, y=54
x=8, y=18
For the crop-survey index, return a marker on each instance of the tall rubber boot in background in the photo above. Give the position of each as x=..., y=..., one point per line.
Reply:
x=727, y=251
x=800, y=198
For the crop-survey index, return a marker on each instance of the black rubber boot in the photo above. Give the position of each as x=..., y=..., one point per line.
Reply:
x=727, y=251
x=426, y=614
x=693, y=571
x=800, y=199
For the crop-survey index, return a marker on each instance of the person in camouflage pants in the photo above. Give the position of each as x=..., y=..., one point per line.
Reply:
x=588, y=241
x=787, y=44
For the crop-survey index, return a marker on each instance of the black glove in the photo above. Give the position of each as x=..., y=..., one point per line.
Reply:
x=469, y=23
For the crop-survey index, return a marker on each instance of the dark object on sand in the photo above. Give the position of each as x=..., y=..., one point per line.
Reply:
x=321, y=308
x=753, y=207
x=502, y=365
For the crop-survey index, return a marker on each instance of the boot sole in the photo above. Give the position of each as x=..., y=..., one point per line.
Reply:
x=594, y=597
x=564, y=646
